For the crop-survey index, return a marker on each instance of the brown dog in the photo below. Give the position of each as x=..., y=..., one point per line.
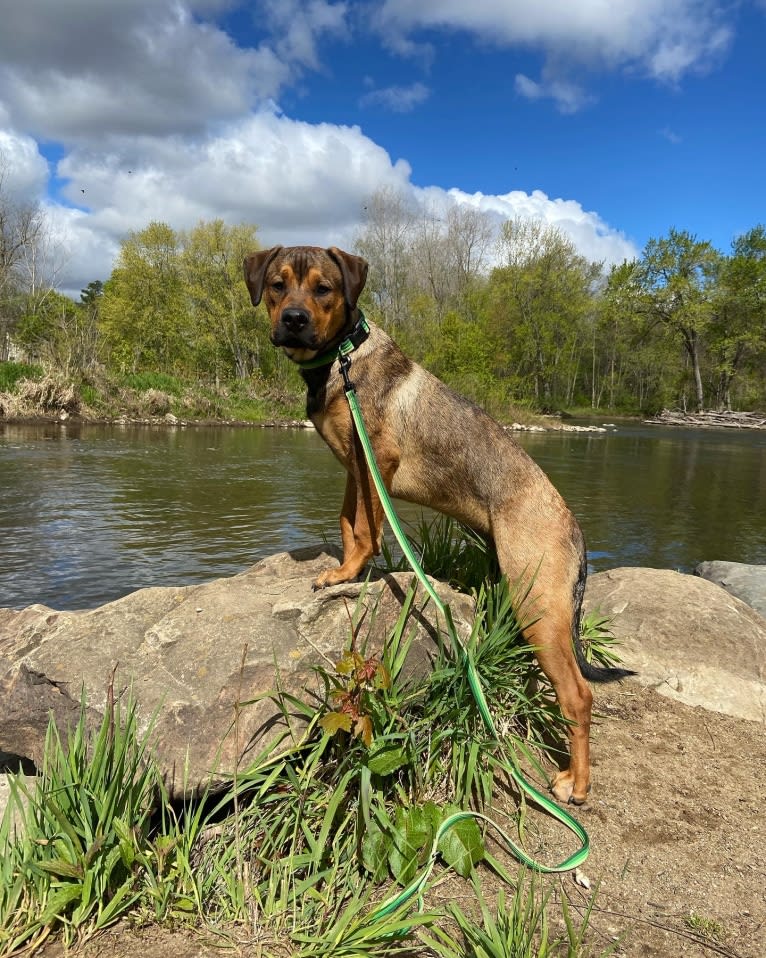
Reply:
x=436, y=449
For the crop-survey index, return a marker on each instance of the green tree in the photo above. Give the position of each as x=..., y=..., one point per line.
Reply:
x=543, y=295
x=738, y=329
x=143, y=314
x=60, y=333
x=223, y=314
x=677, y=276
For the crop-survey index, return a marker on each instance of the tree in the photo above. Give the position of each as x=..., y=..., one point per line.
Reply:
x=386, y=244
x=22, y=226
x=143, y=314
x=677, y=276
x=738, y=328
x=212, y=273
x=542, y=294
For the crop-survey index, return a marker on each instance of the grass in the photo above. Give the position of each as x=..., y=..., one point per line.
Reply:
x=11, y=373
x=308, y=849
x=143, y=396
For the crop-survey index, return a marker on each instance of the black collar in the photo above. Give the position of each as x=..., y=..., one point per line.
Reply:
x=353, y=341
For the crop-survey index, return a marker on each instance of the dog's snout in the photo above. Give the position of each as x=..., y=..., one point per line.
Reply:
x=295, y=320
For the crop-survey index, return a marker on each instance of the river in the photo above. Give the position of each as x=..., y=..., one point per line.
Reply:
x=89, y=513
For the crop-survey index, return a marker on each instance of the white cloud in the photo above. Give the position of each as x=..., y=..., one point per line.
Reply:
x=298, y=182
x=23, y=170
x=397, y=99
x=159, y=115
x=143, y=67
x=592, y=237
x=569, y=97
x=663, y=39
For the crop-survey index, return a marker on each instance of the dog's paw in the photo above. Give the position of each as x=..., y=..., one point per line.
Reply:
x=563, y=788
x=321, y=581
x=329, y=577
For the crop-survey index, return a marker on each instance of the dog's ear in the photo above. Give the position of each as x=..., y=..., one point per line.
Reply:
x=354, y=272
x=255, y=270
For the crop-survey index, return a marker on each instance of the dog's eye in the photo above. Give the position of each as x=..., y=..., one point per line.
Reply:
x=323, y=289
x=277, y=285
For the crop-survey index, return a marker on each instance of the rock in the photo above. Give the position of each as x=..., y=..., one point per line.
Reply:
x=192, y=654
x=747, y=582
x=686, y=637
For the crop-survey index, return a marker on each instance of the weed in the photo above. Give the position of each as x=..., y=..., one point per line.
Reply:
x=706, y=927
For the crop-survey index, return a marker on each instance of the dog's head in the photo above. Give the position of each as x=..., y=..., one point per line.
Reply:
x=308, y=294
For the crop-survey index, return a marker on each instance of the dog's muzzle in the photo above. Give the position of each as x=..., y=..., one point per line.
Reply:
x=294, y=329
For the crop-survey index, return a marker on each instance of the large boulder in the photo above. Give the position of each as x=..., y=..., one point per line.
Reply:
x=197, y=656
x=747, y=582
x=686, y=637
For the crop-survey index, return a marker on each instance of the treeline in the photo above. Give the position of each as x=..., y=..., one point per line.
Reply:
x=509, y=316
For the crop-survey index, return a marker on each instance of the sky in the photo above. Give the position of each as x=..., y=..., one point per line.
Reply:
x=613, y=120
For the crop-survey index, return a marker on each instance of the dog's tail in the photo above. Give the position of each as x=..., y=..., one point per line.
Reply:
x=597, y=673
x=591, y=672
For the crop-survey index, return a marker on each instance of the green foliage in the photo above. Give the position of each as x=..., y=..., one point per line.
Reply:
x=545, y=329
x=360, y=792
x=153, y=380
x=70, y=859
x=11, y=373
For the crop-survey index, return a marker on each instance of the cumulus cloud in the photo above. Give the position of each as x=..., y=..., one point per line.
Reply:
x=143, y=67
x=592, y=237
x=23, y=170
x=298, y=182
x=663, y=39
x=159, y=115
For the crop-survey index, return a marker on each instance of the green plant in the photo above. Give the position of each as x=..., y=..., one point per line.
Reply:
x=11, y=373
x=599, y=642
x=143, y=381
x=448, y=551
x=71, y=840
x=707, y=927
x=357, y=797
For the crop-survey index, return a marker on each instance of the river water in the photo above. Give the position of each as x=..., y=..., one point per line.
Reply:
x=89, y=513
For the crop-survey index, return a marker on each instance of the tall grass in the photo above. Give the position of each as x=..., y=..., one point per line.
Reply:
x=302, y=848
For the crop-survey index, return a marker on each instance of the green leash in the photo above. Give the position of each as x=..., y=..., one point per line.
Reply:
x=460, y=650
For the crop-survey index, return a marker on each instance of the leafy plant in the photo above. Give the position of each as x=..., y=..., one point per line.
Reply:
x=73, y=838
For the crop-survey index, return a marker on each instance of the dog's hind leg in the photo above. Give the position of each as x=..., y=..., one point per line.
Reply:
x=551, y=564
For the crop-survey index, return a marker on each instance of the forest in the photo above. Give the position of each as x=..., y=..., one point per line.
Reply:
x=509, y=314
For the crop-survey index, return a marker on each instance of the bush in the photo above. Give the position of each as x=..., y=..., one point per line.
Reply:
x=11, y=373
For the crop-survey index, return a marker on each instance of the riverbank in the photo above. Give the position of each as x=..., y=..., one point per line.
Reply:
x=29, y=394
x=711, y=419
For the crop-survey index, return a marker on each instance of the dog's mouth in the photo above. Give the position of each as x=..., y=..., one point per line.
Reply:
x=285, y=338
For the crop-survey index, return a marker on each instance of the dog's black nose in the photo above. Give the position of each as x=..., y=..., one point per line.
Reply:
x=295, y=320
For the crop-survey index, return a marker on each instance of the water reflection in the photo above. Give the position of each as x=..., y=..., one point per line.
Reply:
x=89, y=513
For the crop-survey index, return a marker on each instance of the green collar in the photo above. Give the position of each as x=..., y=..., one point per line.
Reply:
x=355, y=338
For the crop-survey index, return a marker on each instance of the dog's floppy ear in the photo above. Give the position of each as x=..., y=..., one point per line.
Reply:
x=255, y=270
x=354, y=272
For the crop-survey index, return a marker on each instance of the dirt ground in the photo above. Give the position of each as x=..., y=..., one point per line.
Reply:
x=677, y=830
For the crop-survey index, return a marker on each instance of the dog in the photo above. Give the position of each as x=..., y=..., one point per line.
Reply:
x=436, y=449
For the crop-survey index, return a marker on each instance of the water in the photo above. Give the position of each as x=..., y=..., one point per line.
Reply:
x=90, y=513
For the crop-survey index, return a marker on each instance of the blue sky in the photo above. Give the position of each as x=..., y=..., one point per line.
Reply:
x=614, y=120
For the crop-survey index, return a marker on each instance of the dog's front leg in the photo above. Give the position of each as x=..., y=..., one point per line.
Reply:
x=361, y=524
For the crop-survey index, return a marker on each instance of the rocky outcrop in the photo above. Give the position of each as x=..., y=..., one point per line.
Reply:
x=686, y=637
x=196, y=656
x=199, y=656
x=747, y=582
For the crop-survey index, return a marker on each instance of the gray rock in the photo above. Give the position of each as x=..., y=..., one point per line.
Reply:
x=747, y=582
x=687, y=637
x=197, y=656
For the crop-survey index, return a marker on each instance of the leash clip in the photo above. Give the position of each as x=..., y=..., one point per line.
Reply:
x=345, y=365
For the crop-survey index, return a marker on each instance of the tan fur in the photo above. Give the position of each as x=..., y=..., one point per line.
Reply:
x=436, y=449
